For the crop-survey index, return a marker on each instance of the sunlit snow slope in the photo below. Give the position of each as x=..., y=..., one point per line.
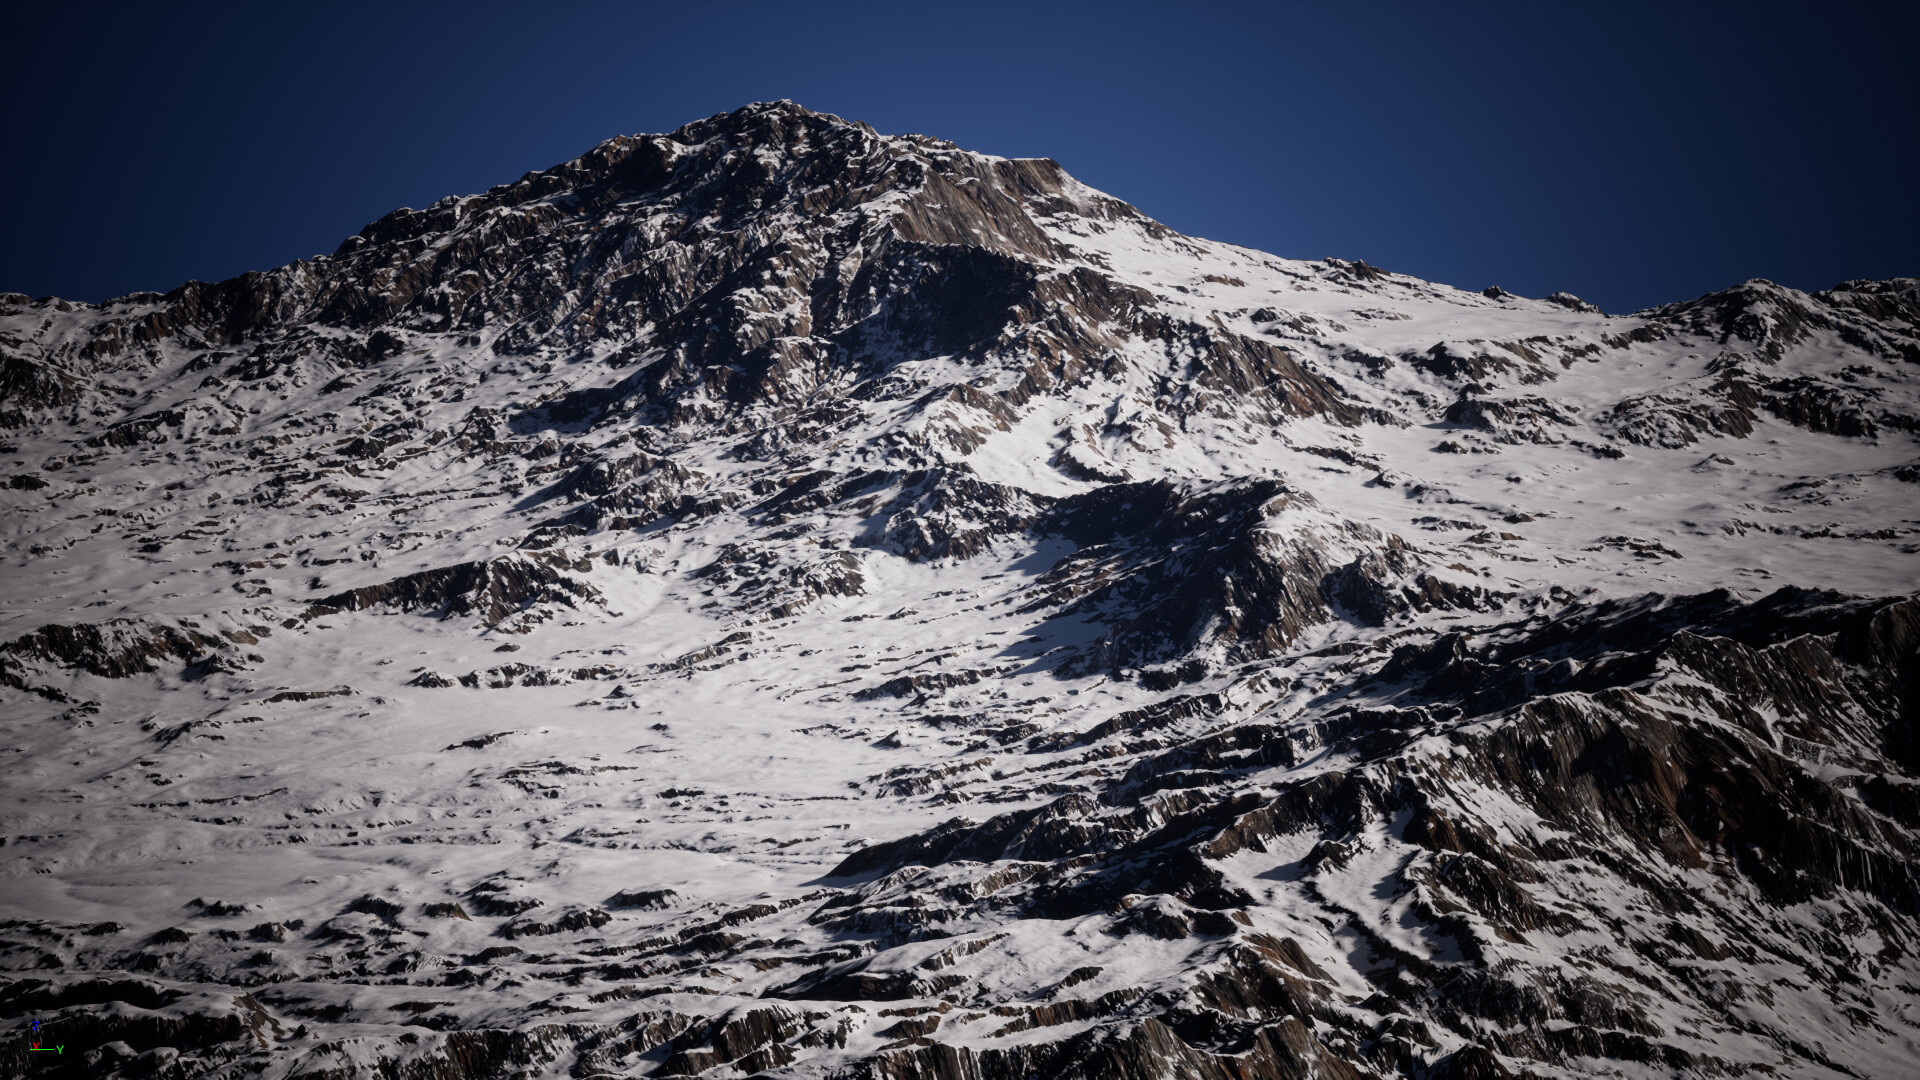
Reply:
x=780, y=600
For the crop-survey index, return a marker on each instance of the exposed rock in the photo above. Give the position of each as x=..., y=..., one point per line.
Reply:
x=1514, y=420
x=493, y=591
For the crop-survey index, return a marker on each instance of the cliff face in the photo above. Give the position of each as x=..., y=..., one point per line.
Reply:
x=777, y=599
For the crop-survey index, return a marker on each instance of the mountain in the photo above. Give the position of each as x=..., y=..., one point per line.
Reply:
x=775, y=599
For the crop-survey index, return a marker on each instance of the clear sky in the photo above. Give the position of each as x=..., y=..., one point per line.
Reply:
x=1632, y=154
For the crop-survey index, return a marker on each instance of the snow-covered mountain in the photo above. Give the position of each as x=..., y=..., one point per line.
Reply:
x=775, y=599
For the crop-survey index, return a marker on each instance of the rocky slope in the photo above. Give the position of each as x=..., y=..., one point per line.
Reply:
x=775, y=599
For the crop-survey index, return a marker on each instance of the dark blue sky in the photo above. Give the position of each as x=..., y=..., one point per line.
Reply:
x=1630, y=154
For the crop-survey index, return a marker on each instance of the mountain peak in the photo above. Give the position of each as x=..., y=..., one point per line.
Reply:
x=836, y=604
x=764, y=121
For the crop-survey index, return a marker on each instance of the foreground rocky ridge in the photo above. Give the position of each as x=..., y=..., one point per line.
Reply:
x=777, y=599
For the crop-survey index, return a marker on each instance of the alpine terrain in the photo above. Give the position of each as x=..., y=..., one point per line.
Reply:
x=779, y=600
